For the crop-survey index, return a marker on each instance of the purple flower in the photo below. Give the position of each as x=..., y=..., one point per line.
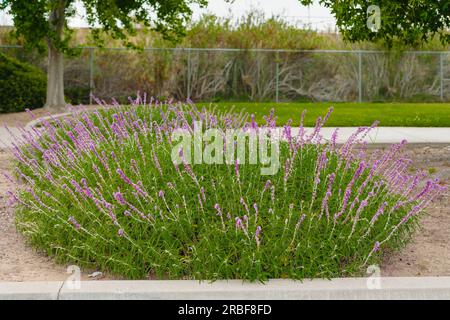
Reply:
x=245, y=205
x=127, y=213
x=161, y=194
x=257, y=234
x=238, y=223
x=376, y=247
x=258, y=231
x=378, y=213
x=256, y=211
x=219, y=210
x=74, y=222
x=202, y=191
x=119, y=197
x=123, y=176
x=267, y=185
x=120, y=232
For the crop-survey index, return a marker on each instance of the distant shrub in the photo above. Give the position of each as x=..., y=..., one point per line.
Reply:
x=77, y=95
x=21, y=85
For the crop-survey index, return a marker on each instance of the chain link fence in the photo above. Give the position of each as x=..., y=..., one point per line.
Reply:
x=253, y=75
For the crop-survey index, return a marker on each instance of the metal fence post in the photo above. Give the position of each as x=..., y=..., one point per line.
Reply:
x=441, y=74
x=188, y=88
x=360, y=76
x=91, y=74
x=277, y=76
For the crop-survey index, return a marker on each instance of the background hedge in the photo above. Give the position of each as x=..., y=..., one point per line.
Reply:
x=21, y=85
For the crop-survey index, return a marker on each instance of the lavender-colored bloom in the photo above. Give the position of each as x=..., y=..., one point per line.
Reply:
x=238, y=223
x=157, y=164
x=242, y=201
x=267, y=185
x=257, y=234
x=161, y=194
x=124, y=176
x=334, y=137
x=77, y=187
x=376, y=247
x=86, y=189
x=120, y=232
x=127, y=213
x=202, y=191
x=300, y=220
x=378, y=213
x=119, y=197
x=258, y=231
x=287, y=166
x=255, y=206
x=219, y=210
x=74, y=222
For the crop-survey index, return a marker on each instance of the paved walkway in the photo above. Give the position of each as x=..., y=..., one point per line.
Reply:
x=377, y=135
x=394, y=134
x=340, y=288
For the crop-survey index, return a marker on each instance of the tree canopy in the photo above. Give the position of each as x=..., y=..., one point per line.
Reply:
x=408, y=22
x=44, y=24
x=118, y=18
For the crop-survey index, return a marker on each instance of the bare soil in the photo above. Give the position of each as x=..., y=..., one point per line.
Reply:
x=428, y=254
x=18, y=119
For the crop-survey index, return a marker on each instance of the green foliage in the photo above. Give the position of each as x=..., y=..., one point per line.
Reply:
x=21, y=85
x=38, y=22
x=253, y=30
x=101, y=190
x=406, y=22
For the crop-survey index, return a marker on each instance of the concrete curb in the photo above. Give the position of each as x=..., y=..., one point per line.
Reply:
x=340, y=289
x=38, y=290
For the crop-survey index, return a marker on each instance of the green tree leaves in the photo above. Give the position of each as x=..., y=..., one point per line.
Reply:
x=408, y=22
x=36, y=23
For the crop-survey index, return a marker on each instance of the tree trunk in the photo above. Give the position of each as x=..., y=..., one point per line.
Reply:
x=55, y=80
x=55, y=72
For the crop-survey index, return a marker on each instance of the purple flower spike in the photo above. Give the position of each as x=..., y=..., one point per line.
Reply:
x=257, y=234
x=74, y=222
x=219, y=210
x=236, y=168
x=161, y=194
x=120, y=232
x=238, y=223
x=258, y=231
x=376, y=247
x=119, y=197
x=127, y=213
x=267, y=185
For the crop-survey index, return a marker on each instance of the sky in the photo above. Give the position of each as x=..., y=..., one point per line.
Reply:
x=316, y=16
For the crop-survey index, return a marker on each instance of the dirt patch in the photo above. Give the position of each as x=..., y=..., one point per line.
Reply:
x=19, y=119
x=19, y=261
x=427, y=255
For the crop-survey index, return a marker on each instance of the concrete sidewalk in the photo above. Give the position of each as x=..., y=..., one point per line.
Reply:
x=393, y=134
x=340, y=288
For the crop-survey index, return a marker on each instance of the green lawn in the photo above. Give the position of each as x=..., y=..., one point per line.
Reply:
x=350, y=114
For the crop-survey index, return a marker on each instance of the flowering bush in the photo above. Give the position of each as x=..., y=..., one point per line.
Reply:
x=100, y=189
